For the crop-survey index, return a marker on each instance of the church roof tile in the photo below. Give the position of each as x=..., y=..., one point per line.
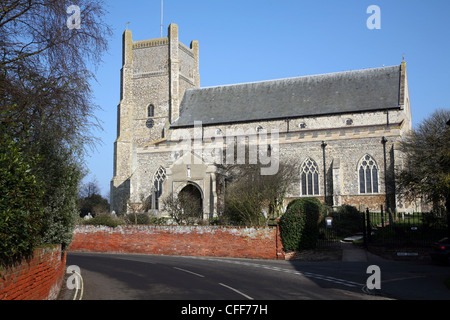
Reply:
x=316, y=95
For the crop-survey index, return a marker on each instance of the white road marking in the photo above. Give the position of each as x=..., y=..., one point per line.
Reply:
x=305, y=274
x=184, y=270
x=237, y=291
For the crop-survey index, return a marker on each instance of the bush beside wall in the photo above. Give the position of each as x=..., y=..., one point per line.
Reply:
x=299, y=225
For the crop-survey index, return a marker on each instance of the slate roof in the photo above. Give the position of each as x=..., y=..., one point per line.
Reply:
x=316, y=95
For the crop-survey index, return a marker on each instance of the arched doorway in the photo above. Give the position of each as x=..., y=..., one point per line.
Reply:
x=191, y=200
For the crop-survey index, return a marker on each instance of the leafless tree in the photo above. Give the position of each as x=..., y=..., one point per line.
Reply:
x=46, y=68
x=90, y=188
x=184, y=208
x=252, y=198
x=426, y=167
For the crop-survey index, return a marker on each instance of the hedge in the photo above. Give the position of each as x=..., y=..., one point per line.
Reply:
x=299, y=225
x=21, y=208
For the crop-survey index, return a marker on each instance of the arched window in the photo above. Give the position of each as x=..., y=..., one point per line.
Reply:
x=158, y=180
x=309, y=174
x=151, y=111
x=368, y=175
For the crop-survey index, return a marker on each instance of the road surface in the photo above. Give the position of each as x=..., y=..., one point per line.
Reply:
x=150, y=277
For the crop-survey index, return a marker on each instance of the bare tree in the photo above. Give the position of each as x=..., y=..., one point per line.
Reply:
x=35, y=31
x=89, y=188
x=184, y=208
x=252, y=198
x=426, y=169
x=45, y=67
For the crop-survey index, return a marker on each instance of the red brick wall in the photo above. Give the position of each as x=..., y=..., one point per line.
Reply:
x=260, y=243
x=37, y=278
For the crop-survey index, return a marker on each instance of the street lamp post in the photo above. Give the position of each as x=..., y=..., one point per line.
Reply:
x=324, y=173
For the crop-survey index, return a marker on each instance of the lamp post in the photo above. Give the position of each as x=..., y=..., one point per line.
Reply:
x=324, y=173
x=383, y=141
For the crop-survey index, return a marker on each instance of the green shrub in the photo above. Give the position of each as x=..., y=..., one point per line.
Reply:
x=103, y=220
x=21, y=208
x=299, y=225
x=60, y=173
x=306, y=204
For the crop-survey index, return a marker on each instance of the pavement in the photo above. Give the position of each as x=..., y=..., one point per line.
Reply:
x=353, y=253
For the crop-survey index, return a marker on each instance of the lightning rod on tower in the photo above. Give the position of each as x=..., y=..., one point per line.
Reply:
x=162, y=7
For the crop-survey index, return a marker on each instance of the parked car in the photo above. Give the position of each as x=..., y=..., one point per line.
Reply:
x=441, y=250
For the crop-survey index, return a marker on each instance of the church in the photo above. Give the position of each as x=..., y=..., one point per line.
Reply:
x=341, y=128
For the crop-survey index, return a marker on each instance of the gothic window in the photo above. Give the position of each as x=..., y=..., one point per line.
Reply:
x=309, y=175
x=158, y=180
x=368, y=175
x=151, y=111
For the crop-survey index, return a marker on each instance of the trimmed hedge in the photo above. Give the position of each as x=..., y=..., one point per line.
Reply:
x=21, y=208
x=299, y=226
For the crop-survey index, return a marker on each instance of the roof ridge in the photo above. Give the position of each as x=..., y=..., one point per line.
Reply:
x=293, y=78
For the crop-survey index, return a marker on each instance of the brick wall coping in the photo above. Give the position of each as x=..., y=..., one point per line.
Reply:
x=250, y=232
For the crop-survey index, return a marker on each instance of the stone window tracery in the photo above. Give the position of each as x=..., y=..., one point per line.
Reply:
x=158, y=180
x=309, y=174
x=368, y=175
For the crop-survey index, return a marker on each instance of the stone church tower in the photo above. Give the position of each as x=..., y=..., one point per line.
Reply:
x=154, y=77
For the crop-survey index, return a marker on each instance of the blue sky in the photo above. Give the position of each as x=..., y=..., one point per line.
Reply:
x=247, y=40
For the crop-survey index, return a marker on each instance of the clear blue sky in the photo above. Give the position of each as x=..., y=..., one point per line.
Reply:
x=249, y=40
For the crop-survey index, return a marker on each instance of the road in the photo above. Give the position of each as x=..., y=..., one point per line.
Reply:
x=150, y=277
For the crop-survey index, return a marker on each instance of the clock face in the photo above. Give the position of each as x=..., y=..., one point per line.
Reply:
x=149, y=123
